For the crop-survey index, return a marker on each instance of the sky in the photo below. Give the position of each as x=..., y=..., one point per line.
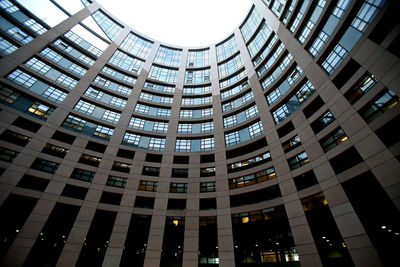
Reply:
x=181, y=22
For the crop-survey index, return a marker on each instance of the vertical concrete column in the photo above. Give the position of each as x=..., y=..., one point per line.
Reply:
x=224, y=221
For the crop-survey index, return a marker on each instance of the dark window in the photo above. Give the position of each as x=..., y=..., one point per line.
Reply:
x=208, y=241
x=83, y=175
x=305, y=180
x=207, y=158
x=386, y=23
x=181, y=159
x=387, y=133
x=246, y=149
x=45, y=165
x=325, y=232
x=121, y=167
x=207, y=187
x=291, y=144
x=377, y=213
x=16, y=209
x=89, y=160
x=74, y=191
x=176, y=204
x=96, y=147
x=116, y=181
x=253, y=178
x=52, y=238
x=207, y=172
x=323, y=121
x=110, y=198
x=15, y=138
x=249, y=163
x=333, y=139
x=261, y=236
x=123, y=153
x=172, y=248
x=144, y=202
x=313, y=107
x=97, y=239
x=7, y=155
x=379, y=105
x=255, y=196
x=180, y=173
x=54, y=150
x=208, y=203
x=32, y=182
x=153, y=157
x=285, y=129
x=151, y=171
x=394, y=47
x=27, y=124
x=63, y=137
x=346, y=73
x=298, y=161
x=366, y=82
x=136, y=241
x=345, y=160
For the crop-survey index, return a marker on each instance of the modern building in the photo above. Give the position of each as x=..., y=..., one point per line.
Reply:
x=275, y=146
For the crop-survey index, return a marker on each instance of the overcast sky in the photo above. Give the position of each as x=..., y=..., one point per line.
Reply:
x=181, y=22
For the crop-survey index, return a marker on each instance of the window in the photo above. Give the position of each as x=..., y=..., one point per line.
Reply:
x=177, y=188
x=207, y=144
x=207, y=172
x=260, y=39
x=197, y=76
x=305, y=180
x=335, y=138
x=7, y=155
x=110, y=198
x=184, y=128
x=251, y=24
x=226, y=49
x=230, y=66
x=207, y=187
x=168, y=56
x=116, y=181
x=103, y=132
x=151, y=171
x=15, y=138
x=380, y=104
x=136, y=45
x=83, y=175
x=198, y=58
x=298, y=161
x=251, y=179
x=355, y=93
x=109, y=26
x=90, y=160
x=345, y=160
x=163, y=74
x=182, y=145
x=323, y=121
x=180, y=173
x=248, y=163
x=232, y=139
x=291, y=144
x=45, y=165
x=125, y=62
x=147, y=186
x=54, y=150
x=121, y=167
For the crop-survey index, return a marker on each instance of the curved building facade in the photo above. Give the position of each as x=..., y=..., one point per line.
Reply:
x=276, y=146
